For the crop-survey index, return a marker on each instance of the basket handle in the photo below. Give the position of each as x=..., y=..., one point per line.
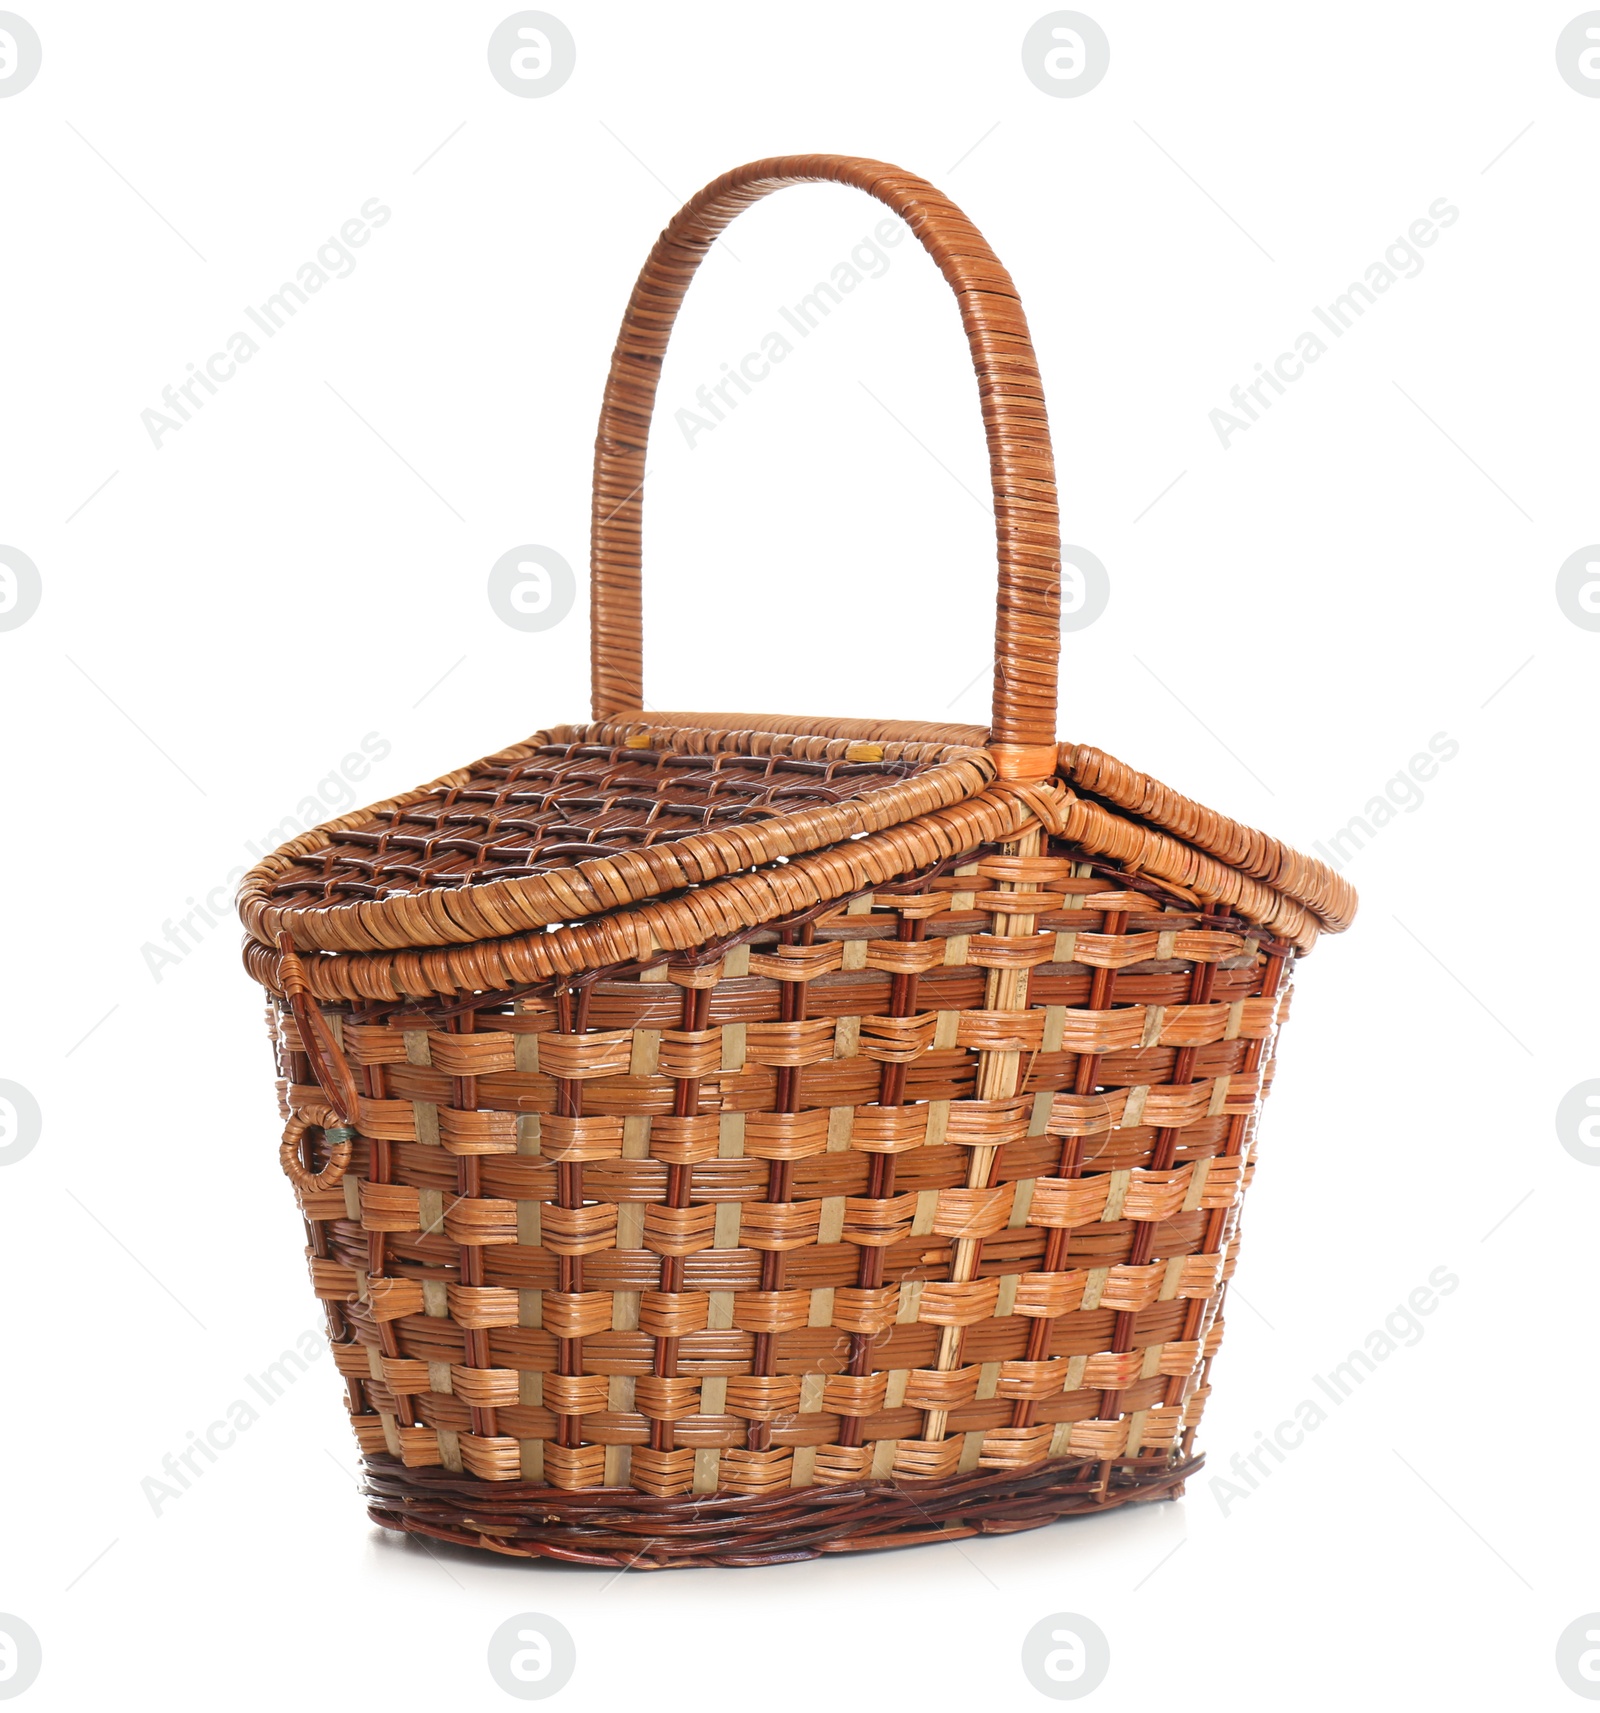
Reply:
x=1022, y=470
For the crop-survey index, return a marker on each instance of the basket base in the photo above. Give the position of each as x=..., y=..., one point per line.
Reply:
x=620, y=1529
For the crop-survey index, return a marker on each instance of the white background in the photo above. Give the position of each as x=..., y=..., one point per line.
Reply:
x=1367, y=566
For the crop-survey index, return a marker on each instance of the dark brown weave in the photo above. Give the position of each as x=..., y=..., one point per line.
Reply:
x=567, y=803
x=617, y=1529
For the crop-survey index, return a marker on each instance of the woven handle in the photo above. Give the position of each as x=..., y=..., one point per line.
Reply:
x=1027, y=628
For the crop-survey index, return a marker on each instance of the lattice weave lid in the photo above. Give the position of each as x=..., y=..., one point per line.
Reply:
x=584, y=819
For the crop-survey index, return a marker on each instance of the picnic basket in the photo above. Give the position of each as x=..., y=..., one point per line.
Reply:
x=725, y=1139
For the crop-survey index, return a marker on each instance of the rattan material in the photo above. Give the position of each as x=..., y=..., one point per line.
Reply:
x=732, y=1138
x=1022, y=469
x=505, y=844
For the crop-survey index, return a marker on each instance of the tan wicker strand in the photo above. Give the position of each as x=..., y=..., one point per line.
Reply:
x=1021, y=466
x=997, y=1078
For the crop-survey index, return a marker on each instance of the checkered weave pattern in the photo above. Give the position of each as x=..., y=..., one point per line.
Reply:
x=942, y=1178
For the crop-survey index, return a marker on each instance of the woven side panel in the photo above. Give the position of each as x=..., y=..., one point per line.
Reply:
x=940, y=1187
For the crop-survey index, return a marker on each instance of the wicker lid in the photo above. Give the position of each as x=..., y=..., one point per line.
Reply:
x=580, y=820
x=479, y=880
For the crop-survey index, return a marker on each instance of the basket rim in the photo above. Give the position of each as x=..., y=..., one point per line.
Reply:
x=1144, y=826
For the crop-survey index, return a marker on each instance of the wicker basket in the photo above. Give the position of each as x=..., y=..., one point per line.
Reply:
x=730, y=1138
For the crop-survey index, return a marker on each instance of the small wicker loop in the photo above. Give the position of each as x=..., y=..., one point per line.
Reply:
x=294, y=1168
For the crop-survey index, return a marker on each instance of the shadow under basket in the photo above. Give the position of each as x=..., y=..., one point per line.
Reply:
x=726, y=1139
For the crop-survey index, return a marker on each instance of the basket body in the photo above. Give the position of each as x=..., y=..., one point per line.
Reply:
x=728, y=1139
x=899, y=1216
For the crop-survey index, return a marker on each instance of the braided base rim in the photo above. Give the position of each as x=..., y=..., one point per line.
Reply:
x=619, y=1528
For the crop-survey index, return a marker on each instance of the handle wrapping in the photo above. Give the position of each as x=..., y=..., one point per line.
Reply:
x=328, y=1063
x=1021, y=467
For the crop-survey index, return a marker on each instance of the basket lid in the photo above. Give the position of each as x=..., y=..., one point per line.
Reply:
x=592, y=846
x=581, y=820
